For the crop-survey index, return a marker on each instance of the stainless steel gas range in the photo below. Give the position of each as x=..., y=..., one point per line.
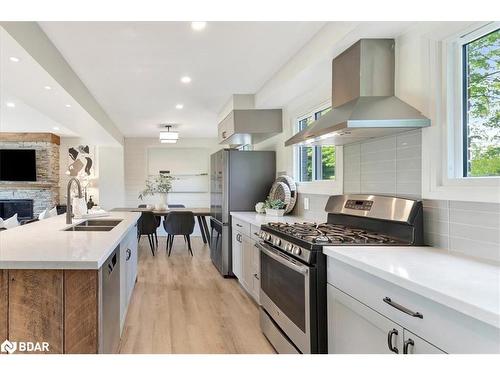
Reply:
x=293, y=312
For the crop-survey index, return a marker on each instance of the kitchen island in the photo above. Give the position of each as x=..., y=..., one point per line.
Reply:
x=68, y=285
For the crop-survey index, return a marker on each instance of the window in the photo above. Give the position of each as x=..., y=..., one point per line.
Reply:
x=481, y=105
x=315, y=162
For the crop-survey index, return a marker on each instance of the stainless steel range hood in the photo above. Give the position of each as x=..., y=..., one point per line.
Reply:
x=363, y=101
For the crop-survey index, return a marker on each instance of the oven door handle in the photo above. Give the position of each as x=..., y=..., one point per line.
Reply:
x=300, y=269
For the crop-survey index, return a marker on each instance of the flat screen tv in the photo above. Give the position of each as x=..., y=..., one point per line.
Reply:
x=17, y=165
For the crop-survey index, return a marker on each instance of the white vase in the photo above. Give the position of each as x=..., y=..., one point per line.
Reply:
x=162, y=204
x=275, y=212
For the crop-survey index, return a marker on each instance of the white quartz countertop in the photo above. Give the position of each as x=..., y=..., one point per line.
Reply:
x=464, y=284
x=45, y=245
x=261, y=219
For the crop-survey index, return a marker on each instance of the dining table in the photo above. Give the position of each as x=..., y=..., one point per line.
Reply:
x=200, y=214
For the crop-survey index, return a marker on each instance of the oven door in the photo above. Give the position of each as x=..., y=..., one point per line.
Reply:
x=285, y=294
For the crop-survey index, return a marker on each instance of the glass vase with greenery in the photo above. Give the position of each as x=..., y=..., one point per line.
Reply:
x=158, y=185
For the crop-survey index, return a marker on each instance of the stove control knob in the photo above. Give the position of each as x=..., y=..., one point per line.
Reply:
x=262, y=235
x=288, y=247
x=296, y=250
x=268, y=237
x=277, y=242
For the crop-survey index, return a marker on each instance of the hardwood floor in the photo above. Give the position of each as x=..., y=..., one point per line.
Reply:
x=181, y=304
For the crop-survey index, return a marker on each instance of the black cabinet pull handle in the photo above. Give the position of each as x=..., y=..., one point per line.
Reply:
x=256, y=276
x=402, y=308
x=392, y=332
x=129, y=254
x=239, y=225
x=407, y=344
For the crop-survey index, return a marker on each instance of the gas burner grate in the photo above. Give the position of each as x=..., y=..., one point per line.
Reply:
x=332, y=234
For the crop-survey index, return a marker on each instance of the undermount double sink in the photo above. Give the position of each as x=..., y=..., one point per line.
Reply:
x=94, y=225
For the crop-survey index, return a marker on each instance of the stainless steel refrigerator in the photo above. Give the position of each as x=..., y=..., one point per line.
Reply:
x=238, y=180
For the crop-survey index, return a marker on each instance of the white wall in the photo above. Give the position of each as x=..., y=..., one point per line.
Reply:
x=109, y=189
x=111, y=182
x=136, y=168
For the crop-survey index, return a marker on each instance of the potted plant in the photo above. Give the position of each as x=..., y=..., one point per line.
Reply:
x=158, y=185
x=275, y=207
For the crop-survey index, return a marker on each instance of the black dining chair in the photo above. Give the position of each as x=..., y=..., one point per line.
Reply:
x=147, y=226
x=178, y=223
x=158, y=223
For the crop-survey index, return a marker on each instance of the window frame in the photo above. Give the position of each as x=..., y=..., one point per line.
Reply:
x=442, y=176
x=330, y=186
x=316, y=156
x=458, y=129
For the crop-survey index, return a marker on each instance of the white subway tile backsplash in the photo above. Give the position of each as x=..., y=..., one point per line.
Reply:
x=352, y=187
x=375, y=145
x=475, y=206
x=393, y=166
x=380, y=155
x=477, y=249
x=409, y=139
x=485, y=219
x=413, y=152
x=436, y=239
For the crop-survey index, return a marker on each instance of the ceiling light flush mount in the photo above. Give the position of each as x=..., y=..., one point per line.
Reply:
x=47, y=87
x=198, y=25
x=14, y=59
x=186, y=79
x=169, y=136
x=179, y=106
x=68, y=105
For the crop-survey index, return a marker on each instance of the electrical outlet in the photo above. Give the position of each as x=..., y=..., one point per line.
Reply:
x=306, y=203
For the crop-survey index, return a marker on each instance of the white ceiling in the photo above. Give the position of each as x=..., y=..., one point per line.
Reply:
x=133, y=69
x=35, y=108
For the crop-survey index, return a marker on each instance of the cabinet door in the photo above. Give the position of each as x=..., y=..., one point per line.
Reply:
x=131, y=262
x=226, y=127
x=247, y=265
x=237, y=245
x=413, y=344
x=354, y=328
x=256, y=272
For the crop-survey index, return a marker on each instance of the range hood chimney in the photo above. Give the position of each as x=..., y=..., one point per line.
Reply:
x=363, y=101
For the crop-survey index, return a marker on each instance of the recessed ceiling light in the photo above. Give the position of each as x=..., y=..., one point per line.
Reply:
x=14, y=59
x=186, y=79
x=68, y=106
x=10, y=104
x=179, y=106
x=55, y=128
x=47, y=87
x=198, y=25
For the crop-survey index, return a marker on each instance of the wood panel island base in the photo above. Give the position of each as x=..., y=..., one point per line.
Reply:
x=57, y=307
x=49, y=305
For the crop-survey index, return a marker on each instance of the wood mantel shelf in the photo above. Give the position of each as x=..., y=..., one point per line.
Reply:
x=28, y=185
x=30, y=137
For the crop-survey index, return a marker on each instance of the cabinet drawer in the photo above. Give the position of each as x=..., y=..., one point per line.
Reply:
x=241, y=226
x=447, y=329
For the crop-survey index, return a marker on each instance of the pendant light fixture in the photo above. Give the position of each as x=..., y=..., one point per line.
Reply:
x=169, y=136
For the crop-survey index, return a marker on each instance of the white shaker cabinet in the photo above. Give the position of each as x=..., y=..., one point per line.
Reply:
x=354, y=328
x=128, y=270
x=237, y=245
x=412, y=344
x=246, y=256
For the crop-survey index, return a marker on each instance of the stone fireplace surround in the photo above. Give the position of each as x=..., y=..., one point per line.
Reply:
x=45, y=190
